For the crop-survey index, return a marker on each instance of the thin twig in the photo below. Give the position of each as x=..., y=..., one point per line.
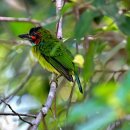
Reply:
x=114, y=125
x=16, y=112
x=59, y=5
x=12, y=19
x=21, y=114
x=46, y=107
x=111, y=71
x=54, y=113
x=28, y=20
x=59, y=28
x=118, y=123
x=18, y=42
x=44, y=123
x=70, y=98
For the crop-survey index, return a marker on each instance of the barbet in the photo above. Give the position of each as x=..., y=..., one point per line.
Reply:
x=52, y=54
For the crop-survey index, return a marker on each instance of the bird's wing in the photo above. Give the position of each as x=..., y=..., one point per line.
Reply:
x=60, y=53
x=60, y=58
x=59, y=67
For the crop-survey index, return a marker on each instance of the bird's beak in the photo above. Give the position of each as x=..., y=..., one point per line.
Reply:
x=25, y=36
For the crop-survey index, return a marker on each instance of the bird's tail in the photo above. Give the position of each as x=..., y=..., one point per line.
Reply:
x=78, y=82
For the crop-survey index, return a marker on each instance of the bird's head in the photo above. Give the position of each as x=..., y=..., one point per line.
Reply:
x=34, y=35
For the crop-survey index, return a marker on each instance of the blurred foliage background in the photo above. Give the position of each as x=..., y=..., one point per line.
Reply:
x=98, y=30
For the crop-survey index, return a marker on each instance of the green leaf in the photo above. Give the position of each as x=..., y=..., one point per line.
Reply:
x=99, y=122
x=67, y=7
x=83, y=26
x=121, y=20
x=123, y=23
x=89, y=108
x=123, y=93
x=99, y=3
x=91, y=115
x=89, y=63
x=104, y=58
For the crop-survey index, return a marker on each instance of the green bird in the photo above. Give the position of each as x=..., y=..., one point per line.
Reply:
x=52, y=54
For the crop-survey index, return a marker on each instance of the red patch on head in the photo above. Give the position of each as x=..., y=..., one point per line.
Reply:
x=36, y=38
x=33, y=38
x=37, y=41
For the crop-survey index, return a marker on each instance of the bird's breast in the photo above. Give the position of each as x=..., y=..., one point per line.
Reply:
x=45, y=64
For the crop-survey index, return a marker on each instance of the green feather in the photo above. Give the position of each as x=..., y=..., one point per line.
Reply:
x=60, y=68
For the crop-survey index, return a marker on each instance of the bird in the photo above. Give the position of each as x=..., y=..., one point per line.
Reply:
x=52, y=54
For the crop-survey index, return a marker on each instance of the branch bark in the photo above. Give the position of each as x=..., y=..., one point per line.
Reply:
x=59, y=5
x=28, y=20
x=118, y=123
x=15, y=112
x=12, y=19
x=46, y=107
x=21, y=114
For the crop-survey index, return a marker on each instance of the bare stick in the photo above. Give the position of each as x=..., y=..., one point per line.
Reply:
x=28, y=20
x=70, y=98
x=21, y=114
x=12, y=19
x=46, y=107
x=118, y=123
x=44, y=123
x=15, y=112
x=114, y=125
x=59, y=5
x=112, y=71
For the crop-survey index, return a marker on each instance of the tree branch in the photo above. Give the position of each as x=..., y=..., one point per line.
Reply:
x=118, y=123
x=15, y=112
x=46, y=107
x=59, y=5
x=111, y=71
x=28, y=20
x=20, y=114
x=12, y=19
